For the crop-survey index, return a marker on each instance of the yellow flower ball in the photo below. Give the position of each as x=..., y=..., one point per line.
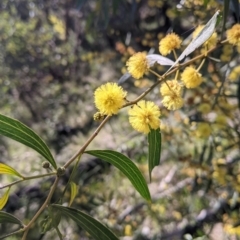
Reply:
x=211, y=42
x=231, y=229
x=233, y=35
x=191, y=77
x=234, y=75
x=203, y=130
x=171, y=87
x=137, y=65
x=170, y=42
x=144, y=116
x=204, y=108
x=109, y=98
x=221, y=119
x=172, y=102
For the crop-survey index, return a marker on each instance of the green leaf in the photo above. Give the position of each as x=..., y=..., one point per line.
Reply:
x=154, y=149
x=51, y=221
x=201, y=38
x=4, y=199
x=46, y=225
x=74, y=191
x=5, y=169
x=19, y=132
x=96, y=229
x=127, y=167
x=8, y=218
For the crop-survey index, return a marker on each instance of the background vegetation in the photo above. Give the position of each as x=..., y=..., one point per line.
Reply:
x=54, y=54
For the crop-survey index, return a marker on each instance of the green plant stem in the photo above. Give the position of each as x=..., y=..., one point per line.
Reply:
x=39, y=176
x=82, y=149
x=28, y=178
x=155, y=73
x=11, y=184
x=59, y=233
x=175, y=54
x=143, y=94
x=12, y=233
x=72, y=174
x=177, y=75
x=26, y=229
x=201, y=64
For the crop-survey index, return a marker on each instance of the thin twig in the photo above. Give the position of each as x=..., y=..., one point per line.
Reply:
x=28, y=178
x=26, y=229
x=82, y=149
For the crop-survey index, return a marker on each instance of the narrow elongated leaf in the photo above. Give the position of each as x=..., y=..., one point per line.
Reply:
x=4, y=199
x=19, y=132
x=8, y=218
x=124, y=78
x=5, y=169
x=74, y=190
x=153, y=58
x=201, y=38
x=154, y=149
x=92, y=226
x=127, y=167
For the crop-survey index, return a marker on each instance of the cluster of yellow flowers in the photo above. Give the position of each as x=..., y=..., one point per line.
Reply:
x=233, y=35
x=144, y=115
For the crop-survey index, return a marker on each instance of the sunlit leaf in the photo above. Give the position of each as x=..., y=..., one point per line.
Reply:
x=96, y=229
x=8, y=218
x=19, y=132
x=127, y=167
x=74, y=190
x=4, y=199
x=154, y=149
x=5, y=169
x=201, y=38
x=153, y=58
